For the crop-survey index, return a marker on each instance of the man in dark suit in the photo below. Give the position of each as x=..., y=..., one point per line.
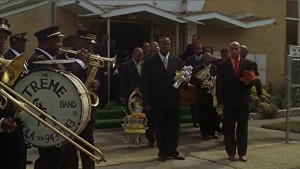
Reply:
x=17, y=45
x=202, y=78
x=244, y=53
x=131, y=81
x=195, y=60
x=162, y=99
x=13, y=150
x=233, y=96
x=65, y=156
x=86, y=40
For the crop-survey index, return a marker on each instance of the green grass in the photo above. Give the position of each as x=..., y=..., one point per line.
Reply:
x=294, y=126
x=113, y=117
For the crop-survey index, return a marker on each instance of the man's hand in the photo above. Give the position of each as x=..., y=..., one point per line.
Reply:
x=95, y=85
x=8, y=125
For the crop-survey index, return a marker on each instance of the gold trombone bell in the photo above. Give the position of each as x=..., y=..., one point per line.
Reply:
x=11, y=69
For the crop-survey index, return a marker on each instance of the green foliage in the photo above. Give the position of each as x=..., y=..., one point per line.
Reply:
x=265, y=106
x=279, y=98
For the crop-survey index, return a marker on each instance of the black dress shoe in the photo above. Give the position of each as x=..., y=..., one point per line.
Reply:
x=162, y=158
x=214, y=136
x=179, y=157
x=29, y=162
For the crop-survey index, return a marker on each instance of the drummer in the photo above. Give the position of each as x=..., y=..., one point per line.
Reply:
x=65, y=156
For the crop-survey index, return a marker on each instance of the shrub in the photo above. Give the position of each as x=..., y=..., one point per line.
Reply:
x=266, y=108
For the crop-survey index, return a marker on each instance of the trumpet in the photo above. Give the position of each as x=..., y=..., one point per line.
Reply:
x=11, y=95
x=95, y=59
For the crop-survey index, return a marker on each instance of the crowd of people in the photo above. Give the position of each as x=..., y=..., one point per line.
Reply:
x=150, y=70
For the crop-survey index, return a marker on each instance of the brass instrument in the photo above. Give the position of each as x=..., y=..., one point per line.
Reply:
x=13, y=67
x=182, y=75
x=96, y=61
x=205, y=77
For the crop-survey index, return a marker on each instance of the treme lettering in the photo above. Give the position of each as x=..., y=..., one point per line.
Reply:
x=43, y=83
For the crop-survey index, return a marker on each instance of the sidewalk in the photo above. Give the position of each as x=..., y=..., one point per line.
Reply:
x=267, y=149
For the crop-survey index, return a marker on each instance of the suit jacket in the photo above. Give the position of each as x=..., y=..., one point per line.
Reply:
x=257, y=82
x=191, y=61
x=232, y=92
x=130, y=78
x=157, y=83
x=11, y=144
x=201, y=93
x=38, y=56
x=9, y=55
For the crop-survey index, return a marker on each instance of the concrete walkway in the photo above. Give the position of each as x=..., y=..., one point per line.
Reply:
x=267, y=149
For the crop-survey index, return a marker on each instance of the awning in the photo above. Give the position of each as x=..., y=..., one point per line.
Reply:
x=220, y=20
x=138, y=12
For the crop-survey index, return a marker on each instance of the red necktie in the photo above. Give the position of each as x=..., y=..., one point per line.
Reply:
x=236, y=66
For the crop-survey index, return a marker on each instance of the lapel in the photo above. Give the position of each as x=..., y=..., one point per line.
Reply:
x=242, y=67
x=134, y=69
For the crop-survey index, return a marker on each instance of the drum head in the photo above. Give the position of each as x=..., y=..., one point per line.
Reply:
x=58, y=94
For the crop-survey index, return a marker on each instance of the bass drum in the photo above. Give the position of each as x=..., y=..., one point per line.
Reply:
x=59, y=94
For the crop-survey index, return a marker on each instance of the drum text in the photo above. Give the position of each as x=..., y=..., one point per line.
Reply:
x=68, y=104
x=48, y=84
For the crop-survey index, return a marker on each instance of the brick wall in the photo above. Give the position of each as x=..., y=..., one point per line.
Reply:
x=269, y=40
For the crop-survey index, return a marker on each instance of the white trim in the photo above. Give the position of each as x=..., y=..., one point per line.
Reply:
x=14, y=8
x=292, y=19
x=140, y=8
x=83, y=3
x=228, y=19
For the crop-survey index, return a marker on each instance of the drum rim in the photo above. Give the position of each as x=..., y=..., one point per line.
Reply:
x=83, y=119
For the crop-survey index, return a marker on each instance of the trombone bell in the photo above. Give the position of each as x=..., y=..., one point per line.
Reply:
x=11, y=69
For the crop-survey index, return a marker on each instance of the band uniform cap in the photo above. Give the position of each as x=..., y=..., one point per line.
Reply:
x=91, y=36
x=20, y=36
x=4, y=26
x=48, y=33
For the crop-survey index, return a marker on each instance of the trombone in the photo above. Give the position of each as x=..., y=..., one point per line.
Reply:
x=5, y=66
x=95, y=59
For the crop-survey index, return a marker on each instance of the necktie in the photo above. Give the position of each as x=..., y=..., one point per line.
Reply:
x=139, y=67
x=165, y=61
x=236, y=66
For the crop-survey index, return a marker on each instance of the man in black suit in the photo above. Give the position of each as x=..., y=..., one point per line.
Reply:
x=233, y=96
x=195, y=60
x=131, y=81
x=202, y=78
x=86, y=40
x=162, y=99
x=17, y=45
x=244, y=53
x=13, y=150
x=65, y=156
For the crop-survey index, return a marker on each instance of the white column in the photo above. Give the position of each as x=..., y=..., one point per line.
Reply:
x=190, y=30
x=177, y=40
x=298, y=30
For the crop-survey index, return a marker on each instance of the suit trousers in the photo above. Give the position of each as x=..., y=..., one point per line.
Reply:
x=64, y=157
x=87, y=134
x=150, y=132
x=236, y=130
x=167, y=123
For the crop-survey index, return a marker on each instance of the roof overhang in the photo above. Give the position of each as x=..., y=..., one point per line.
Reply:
x=79, y=7
x=17, y=6
x=219, y=20
x=139, y=8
